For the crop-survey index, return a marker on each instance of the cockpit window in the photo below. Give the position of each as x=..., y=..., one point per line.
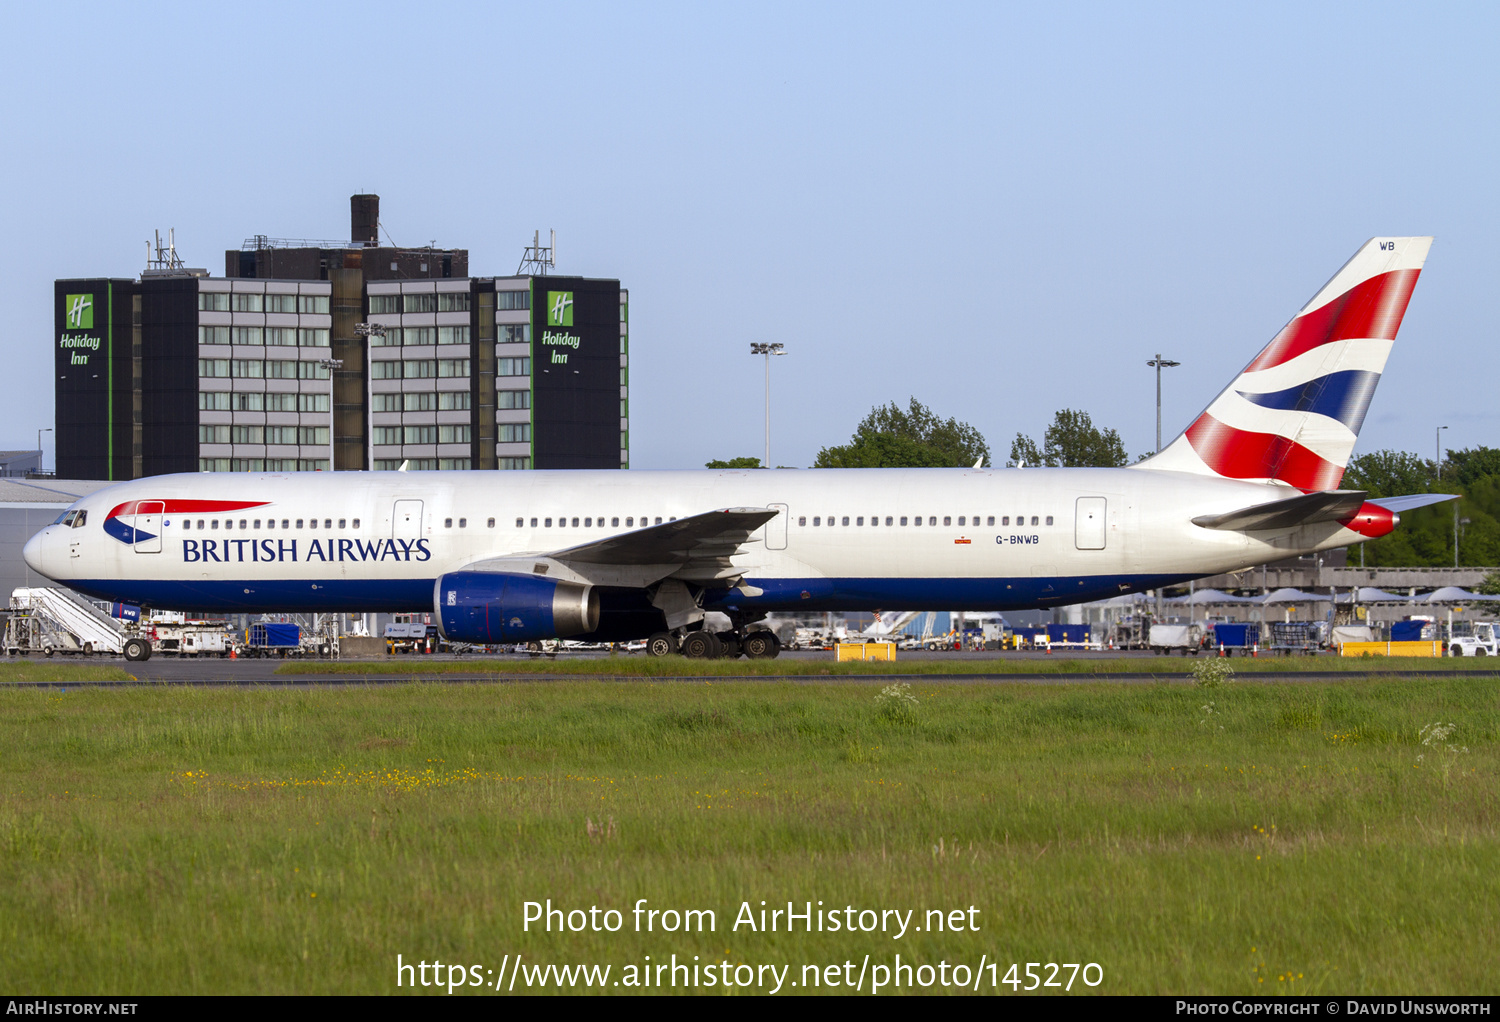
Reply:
x=83, y=516
x=66, y=518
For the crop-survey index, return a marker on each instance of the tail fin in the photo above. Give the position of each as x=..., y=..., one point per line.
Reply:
x=1293, y=414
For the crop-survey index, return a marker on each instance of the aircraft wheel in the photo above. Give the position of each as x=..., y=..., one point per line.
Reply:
x=137, y=649
x=701, y=645
x=760, y=645
x=730, y=644
x=661, y=644
x=47, y=650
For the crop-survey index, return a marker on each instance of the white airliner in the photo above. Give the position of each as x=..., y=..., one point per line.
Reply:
x=611, y=555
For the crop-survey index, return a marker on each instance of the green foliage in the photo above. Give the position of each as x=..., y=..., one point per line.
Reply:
x=914, y=438
x=735, y=463
x=1490, y=586
x=1425, y=535
x=1072, y=441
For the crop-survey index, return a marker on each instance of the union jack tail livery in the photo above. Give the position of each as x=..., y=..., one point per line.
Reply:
x=1293, y=414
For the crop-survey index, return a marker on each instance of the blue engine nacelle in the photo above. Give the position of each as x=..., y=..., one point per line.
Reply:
x=489, y=606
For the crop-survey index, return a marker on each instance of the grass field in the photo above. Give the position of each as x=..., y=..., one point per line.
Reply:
x=641, y=666
x=1298, y=838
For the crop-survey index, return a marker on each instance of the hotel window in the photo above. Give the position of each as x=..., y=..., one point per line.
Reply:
x=453, y=400
x=420, y=434
x=282, y=435
x=385, y=370
x=385, y=402
x=213, y=401
x=312, y=402
x=384, y=304
x=316, y=337
x=249, y=434
x=213, y=434
x=453, y=301
x=213, y=334
x=282, y=336
x=249, y=335
x=513, y=334
x=247, y=369
x=412, y=335
x=249, y=402
x=281, y=402
x=311, y=371
x=513, y=367
x=512, y=463
x=418, y=369
x=281, y=303
x=449, y=368
x=282, y=369
x=419, y=303
x=453, y=434
x=213, y=301
x=246, y=302
x=419, y=402
x=314, y=304
x=453, y=334
x=390, y=338
x=313, y=435
x=513, y=433
x=509, y=300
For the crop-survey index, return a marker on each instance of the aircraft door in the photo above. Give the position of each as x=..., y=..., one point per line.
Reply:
x=406, y=520
x=776, y=528
x=1089, y=525
x=148, y=516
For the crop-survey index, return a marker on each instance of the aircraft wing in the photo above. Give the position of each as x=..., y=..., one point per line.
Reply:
x=1411, y=500
x=1307, y=509
x=698, y=548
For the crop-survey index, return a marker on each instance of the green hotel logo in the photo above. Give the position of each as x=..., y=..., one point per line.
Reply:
x=559, y=308
x=79, y=312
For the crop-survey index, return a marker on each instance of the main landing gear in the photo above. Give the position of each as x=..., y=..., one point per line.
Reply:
x=705, y=645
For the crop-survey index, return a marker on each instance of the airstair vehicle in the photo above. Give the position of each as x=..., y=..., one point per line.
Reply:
x=47, y=621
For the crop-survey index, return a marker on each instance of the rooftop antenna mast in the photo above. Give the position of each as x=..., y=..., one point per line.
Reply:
x=538, y=259
x=165, y=259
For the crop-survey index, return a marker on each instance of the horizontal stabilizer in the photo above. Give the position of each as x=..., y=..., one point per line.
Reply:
x=1411, y=500
x=1308, y=509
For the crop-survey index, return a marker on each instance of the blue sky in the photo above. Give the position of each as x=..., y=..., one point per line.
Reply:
x=1001, y=209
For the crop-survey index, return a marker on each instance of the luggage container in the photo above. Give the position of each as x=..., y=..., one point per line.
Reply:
x=273, y=638
x=1166, y=638
x=1230, y=636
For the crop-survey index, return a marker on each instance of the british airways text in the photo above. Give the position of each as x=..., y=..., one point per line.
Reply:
x=224, y=550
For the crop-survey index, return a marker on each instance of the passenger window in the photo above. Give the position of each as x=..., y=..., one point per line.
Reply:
x=491, y=523
x=286, y=523
x=575, y=523
x=903, y=519
x=533, y=523
x=992, y=519
x=313, y=524
x=961, y=519
x=588, y=523
x=860, y=520
x=614, y=523
x=915, y=521
x=187, y=523
x=630, y=523
x=947, y=520
x=327, y=523
x=356, y=523
x=658, y=519
x=463, y=523
x=1033, y=520
x=447, y=523
x=299, y=523
x=888, y=520
x=343, y=523
x=520, y=523
x=257, y=523
x=1005, y=520
x=845, y=521
x=817, y=520
x=932, y=520
x=270, y=523
x=215, y=524
x=801, y=520
x=547, y=523
x=1049, y=519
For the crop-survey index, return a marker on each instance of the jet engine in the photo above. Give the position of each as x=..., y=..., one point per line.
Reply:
x=487, y=607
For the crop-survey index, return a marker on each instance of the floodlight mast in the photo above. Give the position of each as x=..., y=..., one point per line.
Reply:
x=369, y=330
x=761, y=348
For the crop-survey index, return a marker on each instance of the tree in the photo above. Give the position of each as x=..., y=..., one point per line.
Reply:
x=890, y=437
x=1072, y=441
x=735, y=463
x=1388, y=473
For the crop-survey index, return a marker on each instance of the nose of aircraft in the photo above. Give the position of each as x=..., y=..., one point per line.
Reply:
x=32, y=551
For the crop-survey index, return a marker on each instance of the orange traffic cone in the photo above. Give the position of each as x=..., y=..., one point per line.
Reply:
x=232, y=654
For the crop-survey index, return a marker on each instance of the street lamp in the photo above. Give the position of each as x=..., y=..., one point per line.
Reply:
x=40, y=461
x=1158, y=363
x=370, y=330
x=1438, y=449
x=330, y=364
x=759, y=348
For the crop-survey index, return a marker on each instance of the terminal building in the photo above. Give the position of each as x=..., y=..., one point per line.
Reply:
x=352, y=355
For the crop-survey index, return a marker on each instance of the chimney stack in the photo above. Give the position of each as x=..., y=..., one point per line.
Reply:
x=364, y=219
